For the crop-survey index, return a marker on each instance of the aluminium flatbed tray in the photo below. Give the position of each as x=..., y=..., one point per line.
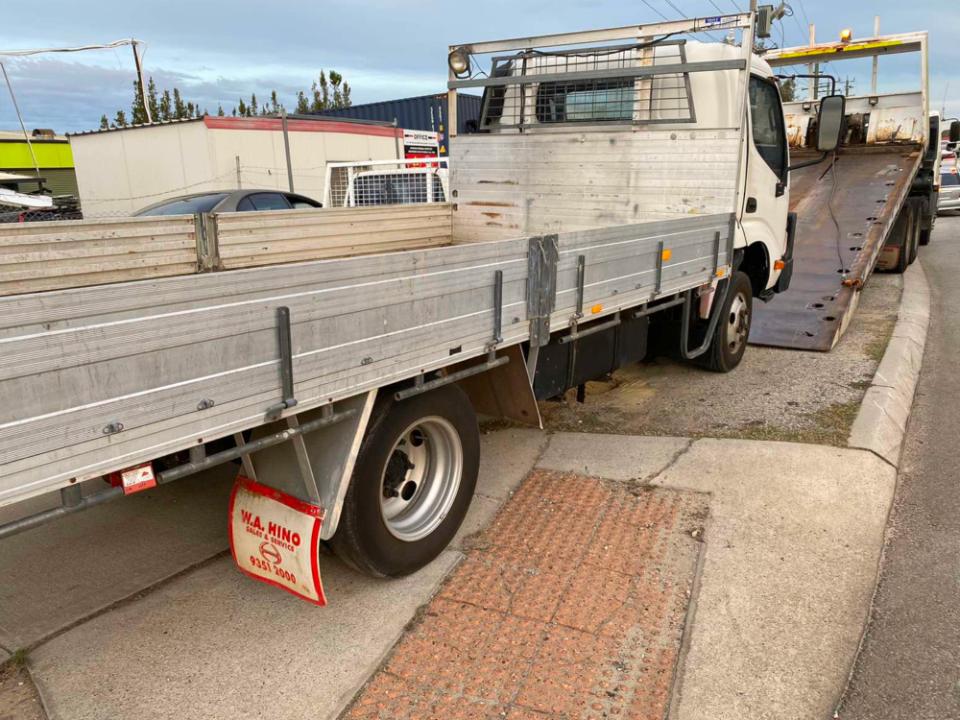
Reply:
x=96, y=379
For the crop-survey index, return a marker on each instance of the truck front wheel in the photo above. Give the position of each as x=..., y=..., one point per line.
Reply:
x=733, y=327
x=412, y=484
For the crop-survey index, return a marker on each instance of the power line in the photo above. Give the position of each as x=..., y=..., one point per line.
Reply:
x=662, y=16
x=804, y=11
x=717, y=7
x=681, y=14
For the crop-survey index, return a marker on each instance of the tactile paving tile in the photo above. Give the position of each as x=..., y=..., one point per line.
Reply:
x=571, y=604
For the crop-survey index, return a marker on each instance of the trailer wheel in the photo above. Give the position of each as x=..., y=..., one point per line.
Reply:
x=733, y=327
x=412, y=483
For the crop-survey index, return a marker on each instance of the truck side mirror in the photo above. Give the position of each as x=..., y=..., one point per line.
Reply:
x=955, y=131
x=830, y=122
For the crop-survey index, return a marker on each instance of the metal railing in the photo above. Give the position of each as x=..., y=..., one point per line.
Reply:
x=371, y=183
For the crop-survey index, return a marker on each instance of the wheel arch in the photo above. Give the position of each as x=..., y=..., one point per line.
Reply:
x=754, y=262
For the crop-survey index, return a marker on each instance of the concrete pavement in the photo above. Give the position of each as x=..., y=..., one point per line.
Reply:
x=790, y=526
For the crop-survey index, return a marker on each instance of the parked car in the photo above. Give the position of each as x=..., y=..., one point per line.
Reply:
x=226, y=201
x=949, y=195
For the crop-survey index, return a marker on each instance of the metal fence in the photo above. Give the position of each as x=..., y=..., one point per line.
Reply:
x=386, y=182
x=14, y=214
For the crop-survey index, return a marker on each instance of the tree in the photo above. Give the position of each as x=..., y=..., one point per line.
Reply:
x=104, y=123
x=335, y=80
x=152, y=99
x=321, y=94
x=138, y=113
x=788, y=89
x=166, y=106
x=328, y=91
x=303, y=106
x=179, y=107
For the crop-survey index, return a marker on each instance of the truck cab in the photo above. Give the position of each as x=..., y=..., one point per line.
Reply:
x=678, y=164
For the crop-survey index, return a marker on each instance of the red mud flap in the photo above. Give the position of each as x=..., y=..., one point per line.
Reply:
x=275, y=538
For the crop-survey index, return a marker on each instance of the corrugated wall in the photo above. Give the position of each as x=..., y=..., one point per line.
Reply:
x=426, y=112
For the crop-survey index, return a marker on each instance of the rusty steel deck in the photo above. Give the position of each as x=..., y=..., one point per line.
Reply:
x=871, y=185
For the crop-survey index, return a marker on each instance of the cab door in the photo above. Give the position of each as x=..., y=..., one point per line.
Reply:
x=766, y=200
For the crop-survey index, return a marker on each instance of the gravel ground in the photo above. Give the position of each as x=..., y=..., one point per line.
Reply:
x=18, y=697
x=774, y=394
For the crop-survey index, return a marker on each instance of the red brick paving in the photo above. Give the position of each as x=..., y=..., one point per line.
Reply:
x=570, y=605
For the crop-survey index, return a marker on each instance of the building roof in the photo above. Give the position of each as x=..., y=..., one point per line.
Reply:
x=17, y=135
x=7, y=177
x=226, y=121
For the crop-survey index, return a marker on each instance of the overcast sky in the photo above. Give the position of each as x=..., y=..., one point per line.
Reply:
x=218, y=51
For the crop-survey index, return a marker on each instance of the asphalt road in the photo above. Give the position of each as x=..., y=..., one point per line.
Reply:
x=909, y=666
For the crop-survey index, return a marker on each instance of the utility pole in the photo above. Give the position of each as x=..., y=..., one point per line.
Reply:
x=143, y=87
x=286, y=147
x=876, y=58
x=848, y=85
x=813, y=70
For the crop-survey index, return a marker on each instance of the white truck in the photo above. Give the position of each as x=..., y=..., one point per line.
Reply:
x=871, y=204
x=618, y=177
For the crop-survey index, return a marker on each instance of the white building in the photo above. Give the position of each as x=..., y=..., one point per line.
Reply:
x=120, y=171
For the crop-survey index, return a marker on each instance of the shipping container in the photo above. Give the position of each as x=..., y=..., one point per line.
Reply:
x=425, y=112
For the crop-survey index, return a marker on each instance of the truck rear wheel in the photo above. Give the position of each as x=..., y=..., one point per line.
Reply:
x=915, y=230
x=904, y=234
x=412, y=484
x=733, y=327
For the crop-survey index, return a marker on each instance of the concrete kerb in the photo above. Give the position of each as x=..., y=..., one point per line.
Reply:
x=882, y=421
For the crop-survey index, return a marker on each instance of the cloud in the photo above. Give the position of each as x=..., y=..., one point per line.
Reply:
x=218, y=51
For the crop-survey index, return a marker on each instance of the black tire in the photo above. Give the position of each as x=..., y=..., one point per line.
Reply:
x=364, y=538
x=925, y=236
x=915, y=234
x=733, y=327
x=903, y=230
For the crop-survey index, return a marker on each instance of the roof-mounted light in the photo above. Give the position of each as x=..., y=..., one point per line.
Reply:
x=459, y=62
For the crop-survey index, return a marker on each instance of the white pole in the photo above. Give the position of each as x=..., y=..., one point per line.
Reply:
x=811, y=82
x=36, y=165
x=876, y=58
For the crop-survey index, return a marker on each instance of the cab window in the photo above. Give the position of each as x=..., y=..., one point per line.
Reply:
x=766, y=118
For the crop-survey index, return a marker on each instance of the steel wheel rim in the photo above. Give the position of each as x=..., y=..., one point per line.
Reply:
x=738, y=323
x=420, y=478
